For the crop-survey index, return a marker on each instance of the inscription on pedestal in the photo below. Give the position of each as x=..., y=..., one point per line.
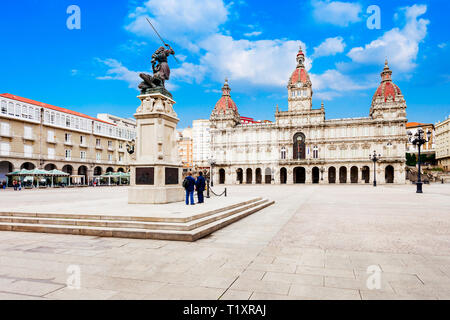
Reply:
x=145, y=176
x=171, y=176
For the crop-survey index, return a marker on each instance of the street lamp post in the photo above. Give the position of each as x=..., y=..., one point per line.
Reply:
x=375, y=158
x=322, y=170
x=418, y=140
x=212, y=162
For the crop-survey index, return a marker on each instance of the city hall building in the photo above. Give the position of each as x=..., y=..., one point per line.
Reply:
x=302, y=146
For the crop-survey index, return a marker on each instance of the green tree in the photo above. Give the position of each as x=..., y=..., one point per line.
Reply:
x=411, y=160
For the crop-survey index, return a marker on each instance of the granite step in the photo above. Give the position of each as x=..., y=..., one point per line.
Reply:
x=127, y=218
x=70, y=221
x=200, y=230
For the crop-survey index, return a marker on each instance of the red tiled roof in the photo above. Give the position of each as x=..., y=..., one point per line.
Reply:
x=413, y=124
x=299, y=74
x=247, y=119
x=49, y=106
x=387, y=88
x=418, y=124
x=224, y=103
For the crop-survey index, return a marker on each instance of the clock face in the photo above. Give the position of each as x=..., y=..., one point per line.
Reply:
x=299, y=85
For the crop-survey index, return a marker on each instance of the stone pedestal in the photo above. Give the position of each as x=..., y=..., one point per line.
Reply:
x=156, y=171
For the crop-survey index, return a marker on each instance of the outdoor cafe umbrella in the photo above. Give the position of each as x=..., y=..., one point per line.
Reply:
x=119, y=175
x=108, y=175
x=19, y=173
x=122, y=175
x=28, y=174
x=57, y=173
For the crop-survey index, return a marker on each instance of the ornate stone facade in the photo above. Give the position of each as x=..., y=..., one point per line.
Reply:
x=302, y=146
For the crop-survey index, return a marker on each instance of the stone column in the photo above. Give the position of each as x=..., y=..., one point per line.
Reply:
x=216, y=176
x=290, y=176
x=233, y=176
x=156, y=173
x=89, y=174
x=380, y=178
x=349, y=175
x=325, y=177
x=276, y=176
x=308, y=173
x=400, y=174
x=360, y=175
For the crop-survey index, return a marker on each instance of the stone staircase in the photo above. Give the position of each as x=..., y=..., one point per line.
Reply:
x=189, y=228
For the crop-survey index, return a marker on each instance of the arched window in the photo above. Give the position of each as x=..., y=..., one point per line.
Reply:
x=283, y=153
x=316, y=152
x=389, y=149
x=222, y=176
x=389, y=174
x=299, y=146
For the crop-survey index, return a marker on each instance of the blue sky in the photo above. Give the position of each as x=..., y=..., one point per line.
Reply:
x=253, y=43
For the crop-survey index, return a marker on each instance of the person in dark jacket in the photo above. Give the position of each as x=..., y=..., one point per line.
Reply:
x=200, y=186
x=189, y=186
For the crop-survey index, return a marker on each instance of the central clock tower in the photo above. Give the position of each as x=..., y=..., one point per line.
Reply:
x=300, y=87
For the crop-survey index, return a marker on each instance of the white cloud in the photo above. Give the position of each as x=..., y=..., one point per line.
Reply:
x=187, y=72
x=247, y=63
x=338, y=82
x=195, y=26
x=258, y=63
x=179, y=21
x=400, y=46
x=329, y=47
x=442, y=45
x=252, y=34
x=116, y=71
x=327, y=95
x=336, y=12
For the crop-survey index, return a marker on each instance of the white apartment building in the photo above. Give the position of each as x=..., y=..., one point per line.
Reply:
x=202, y=142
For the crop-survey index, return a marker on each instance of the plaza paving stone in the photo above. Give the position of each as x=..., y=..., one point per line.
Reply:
x=316, y=242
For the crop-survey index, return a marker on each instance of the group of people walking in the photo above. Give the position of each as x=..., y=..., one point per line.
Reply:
x=17, y=185
x=191, y=184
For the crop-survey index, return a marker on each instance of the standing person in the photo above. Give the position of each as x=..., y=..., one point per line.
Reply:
x=200, y=186
x=15, y=185
x=189, y=186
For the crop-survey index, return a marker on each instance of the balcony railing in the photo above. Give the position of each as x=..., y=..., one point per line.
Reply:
x=28, y=138
x=5, y=134
x=45, y=157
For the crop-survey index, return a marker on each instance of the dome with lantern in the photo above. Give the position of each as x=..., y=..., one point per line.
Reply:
x=387, y=90
x=225, y=104
x=300, y=87
x=225, y=109
x=300, y=76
